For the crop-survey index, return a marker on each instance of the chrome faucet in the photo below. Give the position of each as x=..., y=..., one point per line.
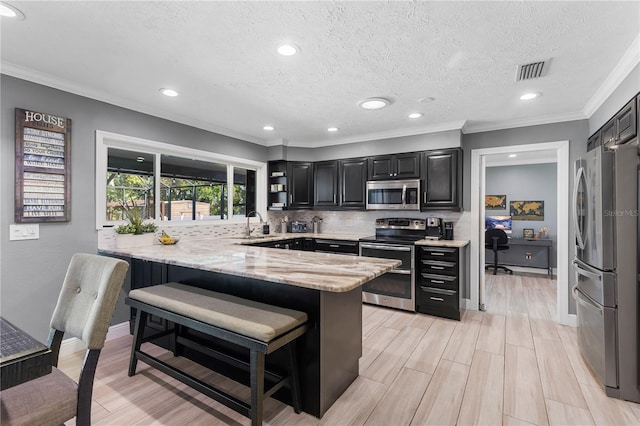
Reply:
x=249, y=217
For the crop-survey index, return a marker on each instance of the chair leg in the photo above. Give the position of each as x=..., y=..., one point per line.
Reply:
x=294, y=378
x=85, y=387
x=495, y=262
x=138, y=334
x=257, y=387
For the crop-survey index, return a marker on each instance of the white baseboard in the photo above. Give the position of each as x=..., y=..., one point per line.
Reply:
x=73, y=344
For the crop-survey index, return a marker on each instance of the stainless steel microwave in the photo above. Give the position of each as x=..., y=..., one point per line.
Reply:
x=393, y=194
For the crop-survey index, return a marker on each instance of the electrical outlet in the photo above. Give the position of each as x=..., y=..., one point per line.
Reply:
x=24, y=232
x=348, y=222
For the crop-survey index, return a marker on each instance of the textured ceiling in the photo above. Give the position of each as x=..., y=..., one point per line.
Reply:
x=222, y=58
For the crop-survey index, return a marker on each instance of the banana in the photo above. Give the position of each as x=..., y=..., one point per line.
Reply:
x=166, y=238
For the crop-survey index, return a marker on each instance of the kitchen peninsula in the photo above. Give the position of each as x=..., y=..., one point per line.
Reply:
x=325, y=286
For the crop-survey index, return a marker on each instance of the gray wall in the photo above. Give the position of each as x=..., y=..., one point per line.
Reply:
x=31, y=272
x=527, y=182
x=629, y=87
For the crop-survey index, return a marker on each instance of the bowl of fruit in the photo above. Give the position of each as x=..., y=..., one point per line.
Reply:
x=167, y=239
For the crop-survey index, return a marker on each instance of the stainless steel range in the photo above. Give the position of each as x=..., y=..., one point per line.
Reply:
x=394, y=239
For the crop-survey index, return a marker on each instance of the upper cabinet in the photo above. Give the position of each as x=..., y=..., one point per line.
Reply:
x=353, y=182
x=442, y=179
x=300, y=180
x=622, y=128
x=277, y=190
x=325, y=184
x=395, y=166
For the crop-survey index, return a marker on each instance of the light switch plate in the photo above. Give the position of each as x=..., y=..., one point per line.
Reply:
x=24, y=232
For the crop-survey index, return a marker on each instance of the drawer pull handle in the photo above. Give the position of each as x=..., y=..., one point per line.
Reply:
x=437, y=267
x=439, y=299
x=334, y=245
x=437, y=281
x=436, y=254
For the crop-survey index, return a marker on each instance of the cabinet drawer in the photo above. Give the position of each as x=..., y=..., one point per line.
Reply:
x=436, y=301
x=439, y=281
x=333, y=246
x=438, y=267
x=439, y=253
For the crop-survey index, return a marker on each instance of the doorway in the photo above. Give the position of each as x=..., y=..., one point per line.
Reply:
x=479, y=158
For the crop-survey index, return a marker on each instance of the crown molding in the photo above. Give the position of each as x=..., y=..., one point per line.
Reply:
x=33, y=76
x=397, y=133
x=629, y=60
x=524, y=122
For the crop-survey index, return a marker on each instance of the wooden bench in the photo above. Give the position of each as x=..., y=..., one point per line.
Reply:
x=256, y=326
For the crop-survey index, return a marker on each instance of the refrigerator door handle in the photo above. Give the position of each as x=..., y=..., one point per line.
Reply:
x=585, y=270
x=576, y=223
x=578, y=295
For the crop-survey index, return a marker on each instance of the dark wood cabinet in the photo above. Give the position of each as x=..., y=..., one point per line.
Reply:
x=323, y=245
x=353, y=183
x=439, y=275
x=442, y=179
x=325, y=184
x=395, y=166
x=300, y=181
x=594, y=141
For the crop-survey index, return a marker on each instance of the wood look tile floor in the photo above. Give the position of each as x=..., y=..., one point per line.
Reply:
x=511, y=365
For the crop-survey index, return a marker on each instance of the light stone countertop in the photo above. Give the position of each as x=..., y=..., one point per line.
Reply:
x=319, y=271
x=442, y=243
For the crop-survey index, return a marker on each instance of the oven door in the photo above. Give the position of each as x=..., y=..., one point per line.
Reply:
x=395, y=288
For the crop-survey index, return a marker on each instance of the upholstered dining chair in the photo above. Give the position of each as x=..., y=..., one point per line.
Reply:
x=496, y=240
x=84, y=310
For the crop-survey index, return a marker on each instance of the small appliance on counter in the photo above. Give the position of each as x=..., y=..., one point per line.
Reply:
x=315, y=222
x=434, y=229
x=448, y=230
x=298, y=227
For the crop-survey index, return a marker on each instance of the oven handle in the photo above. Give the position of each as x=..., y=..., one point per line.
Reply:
x=384, y=247
x=400, y=271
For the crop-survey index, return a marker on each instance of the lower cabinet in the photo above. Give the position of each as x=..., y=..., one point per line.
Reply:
x=439, y=273
x=336, y=246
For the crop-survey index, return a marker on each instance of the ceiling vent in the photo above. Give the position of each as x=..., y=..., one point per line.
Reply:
x=532, y=70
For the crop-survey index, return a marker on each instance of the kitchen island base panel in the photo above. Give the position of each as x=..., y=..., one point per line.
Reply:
x=328, y=353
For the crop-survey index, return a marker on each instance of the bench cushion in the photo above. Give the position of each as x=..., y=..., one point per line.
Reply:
x=246, y=317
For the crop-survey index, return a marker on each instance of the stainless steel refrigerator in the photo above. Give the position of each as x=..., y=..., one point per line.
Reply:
x=605, y=216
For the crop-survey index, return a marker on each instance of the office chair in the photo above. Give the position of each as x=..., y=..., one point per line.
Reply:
x=496, y=240
x=84, y=310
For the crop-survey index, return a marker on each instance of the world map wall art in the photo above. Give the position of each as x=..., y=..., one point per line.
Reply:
x=527, y=210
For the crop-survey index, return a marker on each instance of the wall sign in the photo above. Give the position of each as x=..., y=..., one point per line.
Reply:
x=43, y=172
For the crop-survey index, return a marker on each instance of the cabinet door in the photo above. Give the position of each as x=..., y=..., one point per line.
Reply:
x=407, y=166
x=594, y=141
x=325, y=183
x=626, y=123
x=353, y=182
x=300, y=178
x=441, y=172
x=608, y=133
x=381, y=167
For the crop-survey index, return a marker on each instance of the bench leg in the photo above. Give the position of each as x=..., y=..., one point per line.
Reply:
x=294, y=378
x=257, y=387
x=138, y=334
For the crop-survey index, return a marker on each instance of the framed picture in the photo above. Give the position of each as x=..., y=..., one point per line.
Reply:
x=527, y=233
x=495, y=202
x=527, y=210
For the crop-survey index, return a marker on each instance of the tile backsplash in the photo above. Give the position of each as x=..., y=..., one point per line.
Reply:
x=336, y=222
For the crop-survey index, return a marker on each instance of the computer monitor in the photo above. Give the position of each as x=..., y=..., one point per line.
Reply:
x=499, y=222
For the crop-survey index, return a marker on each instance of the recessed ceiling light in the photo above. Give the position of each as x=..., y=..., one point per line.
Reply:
x=268, y=128
x=513, y=155
x=415, y=115
x=374, y=103
x=288, y=49
x=426, y=100
x=169, y=92
x=332, y=129
x=9, y=11
x=529, y=96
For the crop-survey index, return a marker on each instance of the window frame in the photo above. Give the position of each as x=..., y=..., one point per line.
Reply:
x=106, y=140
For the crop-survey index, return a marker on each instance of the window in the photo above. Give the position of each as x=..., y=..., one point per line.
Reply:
x=139, y=172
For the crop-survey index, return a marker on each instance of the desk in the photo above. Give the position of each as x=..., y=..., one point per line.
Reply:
x=22, y=358
x=527, y=252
